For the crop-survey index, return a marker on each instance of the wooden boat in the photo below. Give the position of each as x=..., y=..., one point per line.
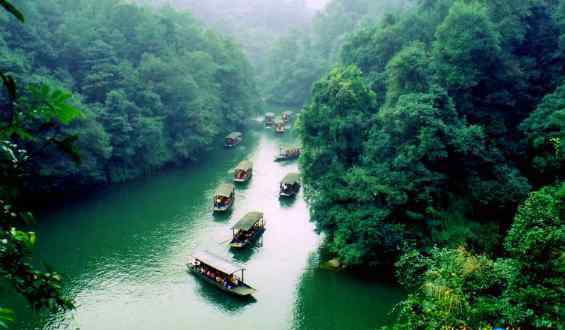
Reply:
x=243, y=172
x=286, y=116
x=269, y=119
x=248, y=229
x=280, y=126
x=290, y=185
x=224, y=197
x=287, y=154
x=220, y=273
x=233, y=139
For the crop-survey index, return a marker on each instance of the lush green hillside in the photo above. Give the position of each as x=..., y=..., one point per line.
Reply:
x=302, y=56
x=155, y=87
x=254, y=24
x=437, y=124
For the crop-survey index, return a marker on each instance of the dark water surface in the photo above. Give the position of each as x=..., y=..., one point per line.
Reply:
x=123, y=252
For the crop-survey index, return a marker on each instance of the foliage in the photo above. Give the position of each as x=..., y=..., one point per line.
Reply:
x=465, y=120
x=536, y=241
x=22, y=121
x=451, y=100
x=154, y=86
x=254, y=24
x=455, y=288
x=305, y=54
x=545, y=131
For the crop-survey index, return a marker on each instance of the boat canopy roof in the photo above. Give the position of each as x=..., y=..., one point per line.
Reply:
x=245, y=165
x=269, y=114
x=279, y=121
x=287, y=112
x=288, y=149
x=234, y=135
x=225, y=190
x=216, y=262
x=248, y=221
x=291, y=178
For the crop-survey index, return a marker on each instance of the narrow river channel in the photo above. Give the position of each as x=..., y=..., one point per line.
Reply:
x=123, y=252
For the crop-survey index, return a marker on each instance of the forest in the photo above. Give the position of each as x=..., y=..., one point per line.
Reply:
x=432, y=132
x=434, y=148
x=149, y=83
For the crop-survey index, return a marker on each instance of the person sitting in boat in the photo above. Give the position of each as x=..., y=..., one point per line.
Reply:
x=234, y=280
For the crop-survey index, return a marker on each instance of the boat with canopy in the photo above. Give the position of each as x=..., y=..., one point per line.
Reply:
x=248, y=229
x=269, y=119
x=287, y=154
x=243, y=171
x=290, y=185
x=221, y=273
x=233, y=139
x=286, y=116
x=280, y=126
x=224, y=197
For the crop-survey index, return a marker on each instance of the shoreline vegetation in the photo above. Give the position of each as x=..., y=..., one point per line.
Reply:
x=155, y=89
x=437, y=152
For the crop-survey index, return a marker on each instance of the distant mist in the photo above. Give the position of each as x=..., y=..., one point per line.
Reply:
x=317, y=4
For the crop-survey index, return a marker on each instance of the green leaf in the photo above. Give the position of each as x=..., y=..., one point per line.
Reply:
x=32, y=239
x=67, y=113
x=12, y=10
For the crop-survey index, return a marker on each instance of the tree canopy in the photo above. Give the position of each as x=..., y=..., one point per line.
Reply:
x=155, y=86
x=464, y=121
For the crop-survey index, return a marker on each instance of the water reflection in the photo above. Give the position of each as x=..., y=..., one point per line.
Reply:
x=244, y=185
x=222, y=216
x=221, y=300
x=243, y=255
x=349, y=301
x=287, y=202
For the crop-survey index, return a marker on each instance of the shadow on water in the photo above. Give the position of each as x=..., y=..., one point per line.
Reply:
x=243, y=185
x=224, y=301
x=222, y=216
x=285, y=163
x=287, y=202
x=244, y=255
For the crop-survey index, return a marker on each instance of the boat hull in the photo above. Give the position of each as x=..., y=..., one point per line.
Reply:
x=248, y=242
x=283, y=194
x=231, y=145
x=242, y=180
x=220, y=209
x=243, y=290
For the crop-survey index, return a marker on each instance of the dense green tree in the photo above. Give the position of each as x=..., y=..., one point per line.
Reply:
x=298, y=59
x=157, y=88
x=466, y=119
x=408, y=72
x=455, y=288
x=545, y=133
x=536, y=242
x=443, y=158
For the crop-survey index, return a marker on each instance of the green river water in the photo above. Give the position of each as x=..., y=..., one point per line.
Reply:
x=123, y=251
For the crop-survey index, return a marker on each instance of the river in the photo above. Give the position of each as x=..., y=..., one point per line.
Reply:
x=123, y=251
